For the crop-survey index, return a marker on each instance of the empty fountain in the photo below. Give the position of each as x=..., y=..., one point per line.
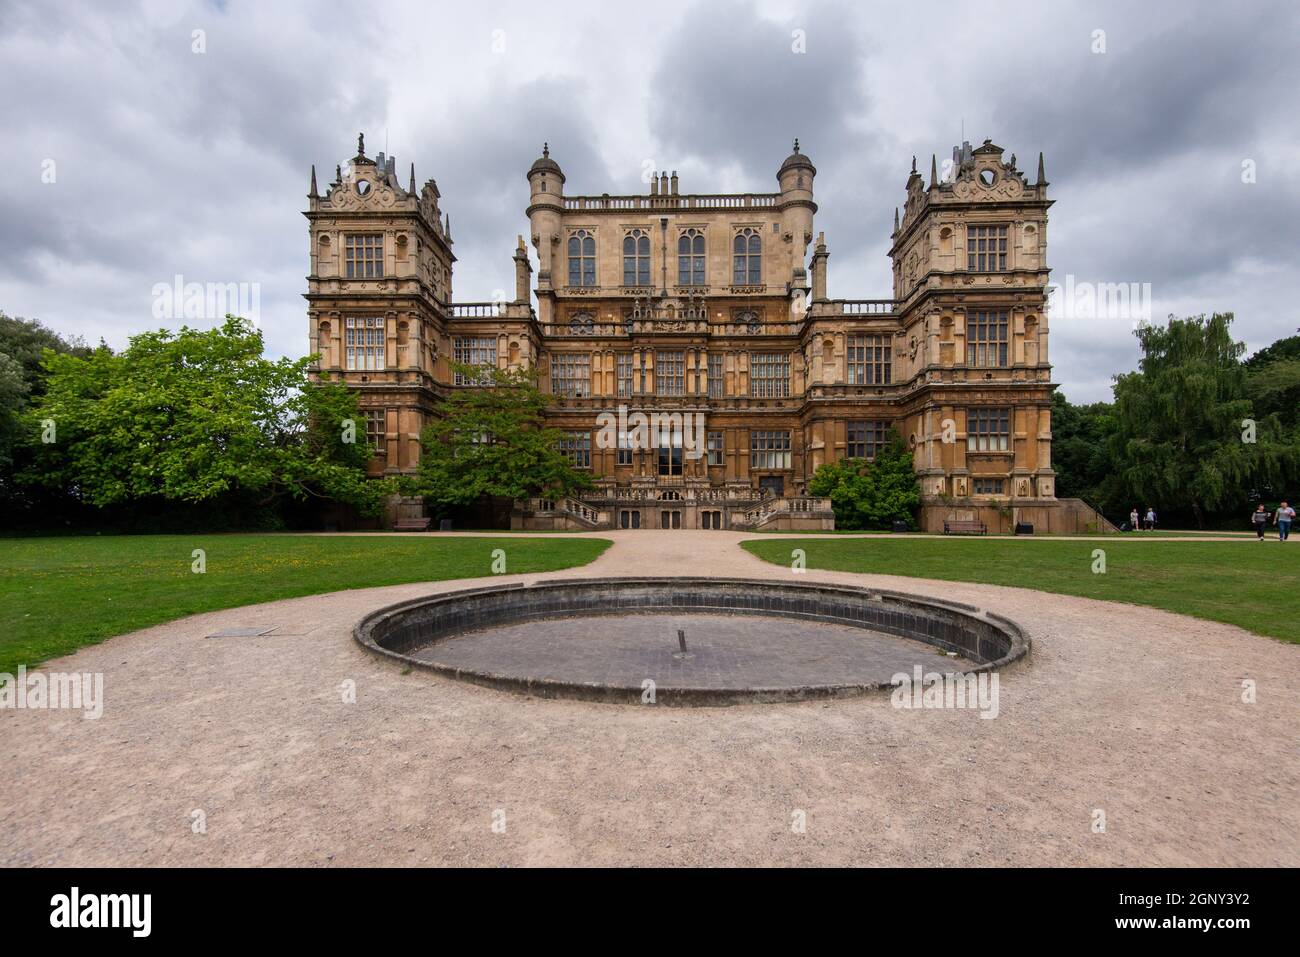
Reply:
x=751, y=641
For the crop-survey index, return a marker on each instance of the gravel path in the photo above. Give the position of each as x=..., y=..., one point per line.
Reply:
x=1131, y=711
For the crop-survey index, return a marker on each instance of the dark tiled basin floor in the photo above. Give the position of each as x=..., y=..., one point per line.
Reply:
x=731, y=652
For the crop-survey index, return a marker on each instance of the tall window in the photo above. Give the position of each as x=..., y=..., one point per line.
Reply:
x=986, y=339
x=869, y=362
x=987, y=430
x=624, y=449
x=571, y=374
x=375, y=429
x=577, y=446
x=625, y=374
x=669, y=451
x=717, y=447
x=715, y=376
x=363, y=255
x=582, y=259
x=636, y=258
x=364, y=339
x=769, y=450
x=747, y=258
x=670, y=373
x=986, y=248
x=866, y=438
x=473, y=352
x=769, y=375
x=690, y=258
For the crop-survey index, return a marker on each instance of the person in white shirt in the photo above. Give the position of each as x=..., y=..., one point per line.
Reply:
x=1283, y=518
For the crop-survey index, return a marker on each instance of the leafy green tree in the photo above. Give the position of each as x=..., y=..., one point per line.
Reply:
x=1081, y=453
x=13, y=396
x=23, y=343
x=26, y=340
x=492, y=442
x=1182, y=433
x=1273, y=381
x=198, y=416
x=871, y=493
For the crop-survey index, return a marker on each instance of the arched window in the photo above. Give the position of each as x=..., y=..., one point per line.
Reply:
x=747, y=258
x=636, y=258
x=690, y=258
x=582, y=259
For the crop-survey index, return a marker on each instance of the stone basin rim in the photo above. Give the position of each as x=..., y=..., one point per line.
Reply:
x=999, y=632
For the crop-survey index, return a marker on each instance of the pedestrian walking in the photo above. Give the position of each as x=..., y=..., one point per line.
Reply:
x=1283, y=518
x=1151, y=519
x=1134, y=524
x=1260, y=519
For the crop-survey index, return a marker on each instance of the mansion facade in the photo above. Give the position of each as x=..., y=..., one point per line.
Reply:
x=713, y=306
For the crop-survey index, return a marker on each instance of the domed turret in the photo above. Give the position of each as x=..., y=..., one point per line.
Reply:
x=796, y=160
x=797, y=210
x=545, y=164
x=545, y=211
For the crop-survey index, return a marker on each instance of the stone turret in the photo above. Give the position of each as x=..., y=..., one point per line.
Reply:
x=797, y=210
x=545, y=209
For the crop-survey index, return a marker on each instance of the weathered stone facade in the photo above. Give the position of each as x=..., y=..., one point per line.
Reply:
x=710, y=305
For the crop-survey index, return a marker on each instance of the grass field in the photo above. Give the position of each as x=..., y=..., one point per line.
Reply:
x=1250, y=584
x=58, y=594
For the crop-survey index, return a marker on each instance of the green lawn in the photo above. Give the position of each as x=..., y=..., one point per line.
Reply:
x=58, y=594
x=1251, y=584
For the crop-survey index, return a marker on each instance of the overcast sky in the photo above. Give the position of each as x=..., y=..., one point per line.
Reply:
x=132, y=158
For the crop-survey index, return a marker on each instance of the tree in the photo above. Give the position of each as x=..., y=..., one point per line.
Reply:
x=198, y=416
x=1273, y=381
x=493, y=442
x=23, y=344
x=1186, y=433
x=871, y=493
x=1081, y=449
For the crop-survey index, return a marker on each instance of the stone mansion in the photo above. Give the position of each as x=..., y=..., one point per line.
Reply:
x=711, y=305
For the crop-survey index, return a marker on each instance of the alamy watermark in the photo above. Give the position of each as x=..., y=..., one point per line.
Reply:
x=933, y=690
x=42, y=690
x=1081, y=299
x=207, y=301
x=635, y=431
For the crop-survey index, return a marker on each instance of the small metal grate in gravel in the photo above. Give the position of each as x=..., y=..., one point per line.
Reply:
x=241, y=633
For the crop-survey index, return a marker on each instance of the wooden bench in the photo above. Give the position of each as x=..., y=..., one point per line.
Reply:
x=411, y=525
x=965, y=528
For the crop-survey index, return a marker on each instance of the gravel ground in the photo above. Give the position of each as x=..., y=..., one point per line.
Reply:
x=1131, y=711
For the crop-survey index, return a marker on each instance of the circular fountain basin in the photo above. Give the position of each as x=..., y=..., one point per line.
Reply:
x=617, y=639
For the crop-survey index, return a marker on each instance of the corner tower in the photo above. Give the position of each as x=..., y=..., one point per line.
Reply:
x=797, y=210
x=379, y=298
x=545, y=212
x=970, y=280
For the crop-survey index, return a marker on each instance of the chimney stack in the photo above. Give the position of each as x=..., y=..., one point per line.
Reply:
x=523, y=273
x=820, y=255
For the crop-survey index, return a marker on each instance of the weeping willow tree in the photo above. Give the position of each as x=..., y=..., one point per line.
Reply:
x=1186, y=434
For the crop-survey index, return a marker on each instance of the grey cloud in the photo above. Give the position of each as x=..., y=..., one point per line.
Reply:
x=171, y=162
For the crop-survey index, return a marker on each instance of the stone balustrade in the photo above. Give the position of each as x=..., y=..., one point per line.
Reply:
x=707, y=201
